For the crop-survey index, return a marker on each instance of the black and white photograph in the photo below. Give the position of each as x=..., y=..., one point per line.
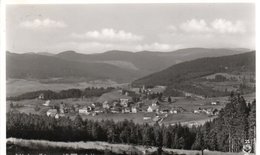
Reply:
x=130, y=78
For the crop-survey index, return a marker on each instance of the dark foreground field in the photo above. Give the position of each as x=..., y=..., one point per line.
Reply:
x=36, y=147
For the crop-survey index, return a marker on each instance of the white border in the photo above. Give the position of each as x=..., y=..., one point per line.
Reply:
x=3, y=49
x=121, y=1
x=2, y=80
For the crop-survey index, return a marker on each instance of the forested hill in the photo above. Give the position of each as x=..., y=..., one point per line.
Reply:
x=148, y=61
x=37, y=66
x=191, y=70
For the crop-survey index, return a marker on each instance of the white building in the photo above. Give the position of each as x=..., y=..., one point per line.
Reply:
x=153, y=109
x=84, y=111
x=47, y=103
x=52, y=112
x=134, y=110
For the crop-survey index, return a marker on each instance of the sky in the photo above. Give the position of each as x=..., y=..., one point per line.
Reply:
x=95, y=28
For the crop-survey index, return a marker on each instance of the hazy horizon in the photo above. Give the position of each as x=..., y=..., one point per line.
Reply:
x=238, y=49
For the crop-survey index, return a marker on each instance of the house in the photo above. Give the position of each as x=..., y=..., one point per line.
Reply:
x=153, y=109
x=134, y=110
x=164, y=110
x=196, y=111
x=208, y=111
x=52, y=112
x=126, y=110
x=174, y=111
x=213, y=103
x=62, y=108
x=84, y=111
x=47, y=103
x=105, y=105
x=57, y=116
x=41, y=96
x=155, y=102
x=124, y=102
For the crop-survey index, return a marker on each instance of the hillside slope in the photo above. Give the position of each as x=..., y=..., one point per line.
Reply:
x=39, y=67
x=188, y=72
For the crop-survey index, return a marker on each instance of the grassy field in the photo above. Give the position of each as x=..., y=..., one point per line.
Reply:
x=19, y=86
x=185, y=117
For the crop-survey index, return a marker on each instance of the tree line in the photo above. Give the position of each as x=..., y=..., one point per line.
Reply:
x=69, y=93
x=32, y=126
x=234, y=125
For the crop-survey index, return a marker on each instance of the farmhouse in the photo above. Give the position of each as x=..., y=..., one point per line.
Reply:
x=62, y=108
x=52, y=112
x=133, y=109
x=41, y=96
x=196, y=111
x=105, y=105
x=47, y=103
x=176, y=110
x=153, y=108
x=155, y=102
x=213, y=103
x=84, y=111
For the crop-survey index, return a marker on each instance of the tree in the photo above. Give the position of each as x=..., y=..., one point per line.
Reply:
x=252, y=124
x=169, y=99
x=199, y=143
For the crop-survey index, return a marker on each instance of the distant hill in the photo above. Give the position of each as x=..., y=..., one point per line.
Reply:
x=40, y=66
x=147, y=61
x=120, y=66
x=187, y=72
x=45, y=53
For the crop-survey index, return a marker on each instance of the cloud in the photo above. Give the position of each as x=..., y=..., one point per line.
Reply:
x=157, y=47
x=108, y=34
x=172, y=28
x=45, y=23
x=217, y=26
x=225, y=26
x=195, y=25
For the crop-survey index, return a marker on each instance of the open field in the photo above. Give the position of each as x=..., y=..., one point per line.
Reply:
x=185, y=117
x=115, y=148
x=16, y=87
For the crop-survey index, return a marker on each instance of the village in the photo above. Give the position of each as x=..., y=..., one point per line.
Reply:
x=144, y=105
